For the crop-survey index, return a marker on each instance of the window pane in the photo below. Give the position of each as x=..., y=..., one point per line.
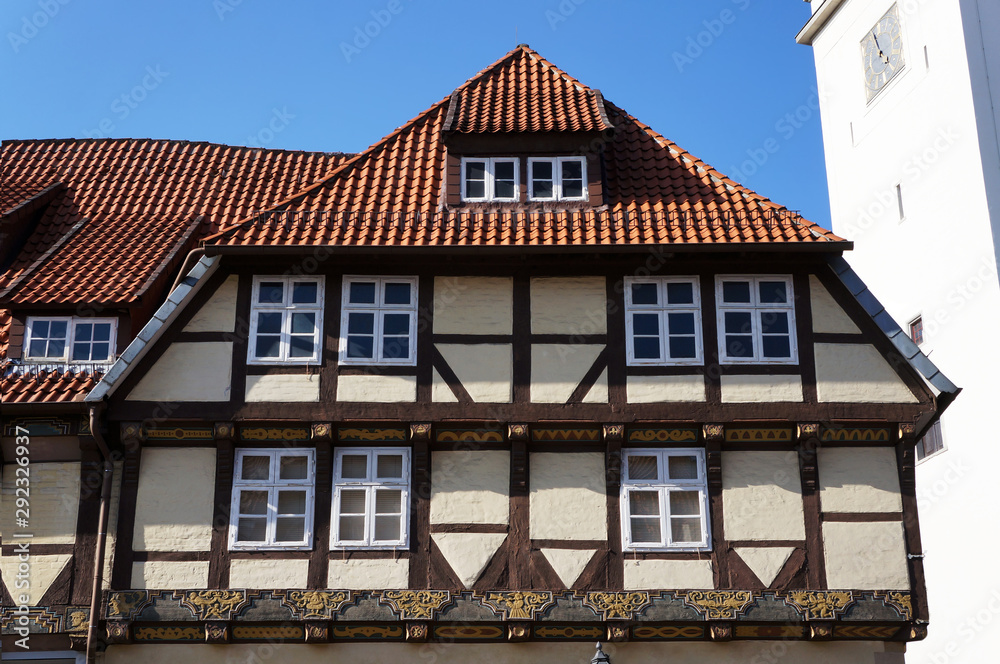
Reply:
x=397, y=293
x=100, y=352
x=293, y=468
x=251, y=530
x=291, y=502
x=57, y=329
x=542, y=189
x=253, y=502
x=773, y=292
x=36, y=349
x=503, y=170
x=387, y=528
x=647, y=348
x=572, y=170
x=354, y=467
x=475, y=170
x=256, y=468
x=644, y=294
x=267, y=346
x=57, y=348
x=735, y=291
x=305, y=292
x=572, y=188
x=388, y=501
x=644, y=503
x=774, y=322
x=40, y=329
x=682, y=467
x=503, y=189
x=102, y=332
x=642, y=467
x=776, y=347
x=83, y=331
x=290, y=529
x=395, y=324
x=303, y=323
x=352, y=501
x=271, y=292
x=301, y=347
x=682, y=348
x=541, y=170
x=352, y=528
x=394, y=348
x=646, y=324
x=685, y=530
x=268, y=323
x=680, y=323
x=646, y=530
x=475, y=189
x=360, y=347
x=739, y=345
x=684, y=503
x=362, y=292
x=361, y=324
x=390, y=465
x=680, y=293
x=738, y=322
x=81, y=352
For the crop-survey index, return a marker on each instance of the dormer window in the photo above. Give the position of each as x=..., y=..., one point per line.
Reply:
x=489, y=179
x=557, y=179
x=60, y=339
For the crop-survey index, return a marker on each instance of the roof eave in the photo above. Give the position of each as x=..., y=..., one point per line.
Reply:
x=817, y=21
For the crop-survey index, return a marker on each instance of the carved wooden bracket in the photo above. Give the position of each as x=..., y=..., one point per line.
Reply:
x=224, y=431
x=820, y=631
x=317, y=631
x=118, y=631
x=713, y=432
x=321, y=432
x=518, y=631
x=216, y=632
x=720, y=631
x=132, y=432
x=517, y=434
x=420, y=432
x=417, y=632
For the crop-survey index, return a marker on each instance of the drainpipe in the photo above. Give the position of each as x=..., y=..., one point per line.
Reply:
x=102, y=528
x=189, y=260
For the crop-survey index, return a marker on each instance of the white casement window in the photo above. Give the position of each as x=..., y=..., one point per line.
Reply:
x=490, y=179
x=663, y=321
x=557, y=179
x=664, y=500
x=286, y=320
x=371, y=498
x=379, y=321
x=273, y=495
x=756, y=317
x=70, y=339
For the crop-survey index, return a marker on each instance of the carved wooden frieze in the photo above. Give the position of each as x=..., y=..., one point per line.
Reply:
x=820, y=604
x=517, y=605
x=616, y=605
x=719, y=604
x=415, y=604
x=309, y=604
x=214, y=604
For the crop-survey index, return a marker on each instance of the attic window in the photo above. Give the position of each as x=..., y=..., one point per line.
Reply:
x=490, y=179
x=557, y=179
x=69, y=339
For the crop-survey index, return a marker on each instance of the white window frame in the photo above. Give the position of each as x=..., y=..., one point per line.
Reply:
x=71, y=323
x=286, y=309
x=757, y=310
x=663, y=486
x=379, y=310
x=662, y=310
x=272, y=485
x=370, y=484
x=490, y=189
x=557, y=165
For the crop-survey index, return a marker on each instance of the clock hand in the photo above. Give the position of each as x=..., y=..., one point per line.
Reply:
x=882, y=55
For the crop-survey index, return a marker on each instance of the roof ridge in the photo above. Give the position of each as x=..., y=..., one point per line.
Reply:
x=163, y=141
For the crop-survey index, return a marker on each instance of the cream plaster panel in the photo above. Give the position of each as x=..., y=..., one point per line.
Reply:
x=765, y=561
x=760, y=389
x=859, y=479
x=440, y=392
x=795, y=652
x=857, y=373
x=170, y=575
x=658, y=389
x=377, y=389
x=473, y=305
x=865, y=556
x=283, y=388
x=485, y=370
x=468, y=553
x=668, y=574
x=599, y=392
x=218, y=314
x=827, y=315
x=361, y=574
x=267, y=574
x=199, y=371
x=470, y=486
x=568, y=564
x=54, y=501
x=568, y=499
x=43, y=573
x=174, y=506
x=557, y=369
x=762, y=496
x=569, y=305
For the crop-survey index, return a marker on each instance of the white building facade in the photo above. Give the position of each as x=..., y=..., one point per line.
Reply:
x=910, y=109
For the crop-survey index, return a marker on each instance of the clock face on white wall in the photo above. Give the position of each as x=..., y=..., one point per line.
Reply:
x=882, y=52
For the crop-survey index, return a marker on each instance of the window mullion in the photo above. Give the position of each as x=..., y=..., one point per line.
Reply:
x=666, y=540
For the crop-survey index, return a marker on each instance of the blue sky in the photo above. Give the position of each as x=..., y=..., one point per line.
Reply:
x=723, y=78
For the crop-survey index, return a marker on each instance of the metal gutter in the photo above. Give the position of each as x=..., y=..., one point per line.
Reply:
x=817, y=21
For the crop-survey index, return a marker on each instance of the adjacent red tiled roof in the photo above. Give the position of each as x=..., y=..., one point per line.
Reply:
x=47, y=386
x=523, y=92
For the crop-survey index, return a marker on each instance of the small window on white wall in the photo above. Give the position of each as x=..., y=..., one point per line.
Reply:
x=664, y=500
x=663, y=321
x=756, y=318
x=371, y=498
x=379, y=322
x=286, y=320
x=273, y=499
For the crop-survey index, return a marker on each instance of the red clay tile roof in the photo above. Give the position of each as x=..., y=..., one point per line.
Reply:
x=524, y=92
x=46, y=386
x=392, y=191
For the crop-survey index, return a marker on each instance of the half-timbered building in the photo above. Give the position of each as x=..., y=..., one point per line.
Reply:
x=522, y=376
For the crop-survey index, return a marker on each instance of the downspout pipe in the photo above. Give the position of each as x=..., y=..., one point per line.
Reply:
x=102, y=528
x=193, y=256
